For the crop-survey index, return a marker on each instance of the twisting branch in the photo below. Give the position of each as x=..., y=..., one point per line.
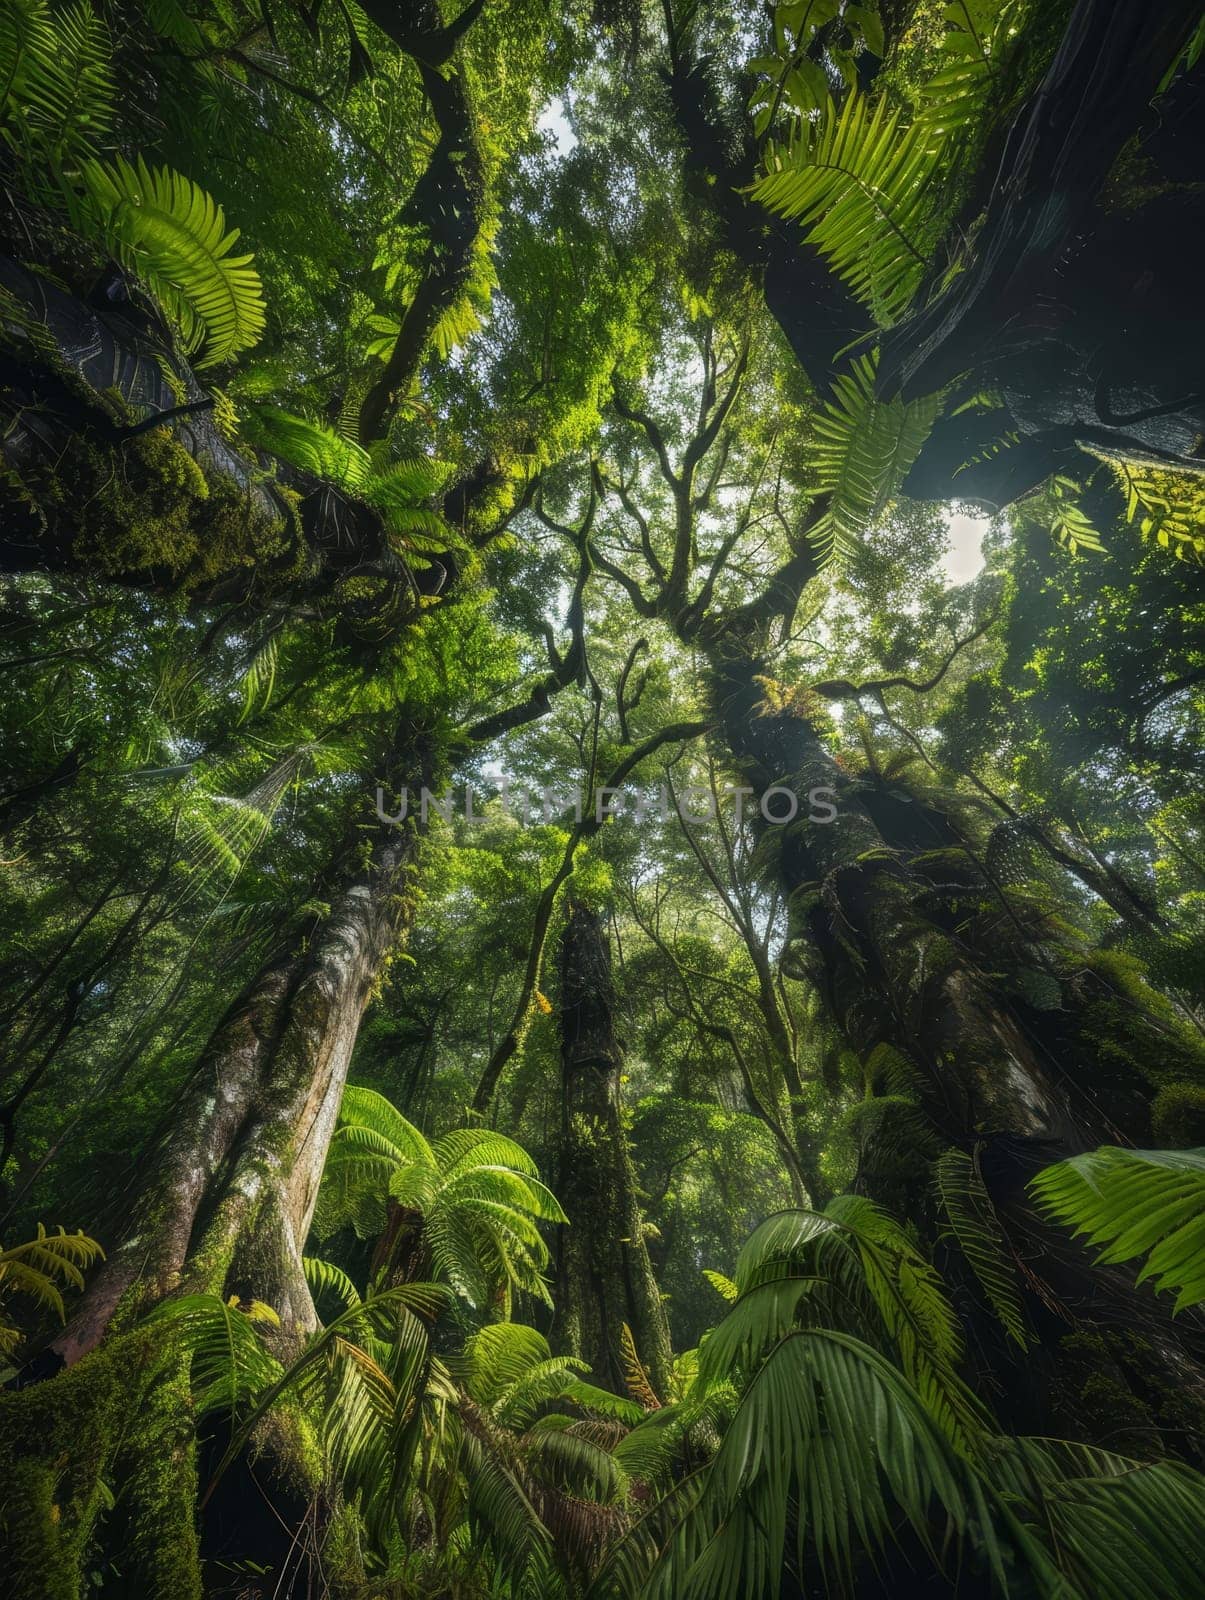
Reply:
x=624, y=704
x=449, y=199
x=655, y=437
x=842, y=689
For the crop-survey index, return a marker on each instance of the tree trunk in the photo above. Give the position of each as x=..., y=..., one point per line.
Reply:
x=604, y=1276
x=980, y=1025
x=224, y=1207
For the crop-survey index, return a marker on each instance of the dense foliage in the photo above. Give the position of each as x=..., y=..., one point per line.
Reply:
x=602, y=975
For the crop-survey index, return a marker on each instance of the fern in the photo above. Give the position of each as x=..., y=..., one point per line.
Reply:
x=478, y=1195
x=173, y=235
x=312, y=446
x=228, y=1362
x=325, y=1278
x=38, y=1269
x=1168, y=507
x=860, y=180
x=974, y=1226
x=56, y=88
x=1136, y=1203
x=977, y=35
x=859, y=451
x=635, y=1375
x=721, y=1284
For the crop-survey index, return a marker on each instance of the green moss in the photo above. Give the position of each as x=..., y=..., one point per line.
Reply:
x=1094, y=1402
x=146, y=505
x=99, y=1474
x=1178, y=1116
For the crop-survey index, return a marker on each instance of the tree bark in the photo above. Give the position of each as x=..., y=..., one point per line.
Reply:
x=604, y=1276
x=228, y=1195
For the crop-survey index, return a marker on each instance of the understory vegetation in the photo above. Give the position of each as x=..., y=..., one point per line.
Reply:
x=602, y=817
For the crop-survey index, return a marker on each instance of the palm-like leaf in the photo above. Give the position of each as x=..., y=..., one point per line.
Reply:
x=174, y=236
x=851, y=1266
x=829, y=1444
x=1136, y=1203
x=981, y=1240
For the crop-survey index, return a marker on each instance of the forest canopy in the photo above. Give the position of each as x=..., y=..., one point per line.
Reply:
x=602, y=813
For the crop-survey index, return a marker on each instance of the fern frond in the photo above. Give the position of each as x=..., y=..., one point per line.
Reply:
x=721, y=1284
x=56, y=87
x=165, y=228
x=977, y=36
x=310, y=445
x=858, y=452
x=324, y=1277
x=635, y=1375
x=39, y=1266
x=229, y=1364
x=861, y=182
x=1166, y=506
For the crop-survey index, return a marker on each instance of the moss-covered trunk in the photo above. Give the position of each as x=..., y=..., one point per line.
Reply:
x=983, y=1022
x=604, y=1275
x=224, y=1206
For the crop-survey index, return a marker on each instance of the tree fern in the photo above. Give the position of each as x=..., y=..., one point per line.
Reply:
x=510, y=1371
x=858, y=452
x=173, y=235
x=975, y=1228
x=475, y=1195
x=1136, y=1203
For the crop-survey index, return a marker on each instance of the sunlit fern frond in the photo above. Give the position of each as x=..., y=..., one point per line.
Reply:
x=858, y=452
x=259, y=680
x=477, y=1193
x=862, y=182
x=1167, y=507
x=310, y=445
x=978, y=35
x=40, y=1268
x=162, y=226
x=635, y=1374
x=721, y=1284
x=510, y=1372
x=1133, y=1203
